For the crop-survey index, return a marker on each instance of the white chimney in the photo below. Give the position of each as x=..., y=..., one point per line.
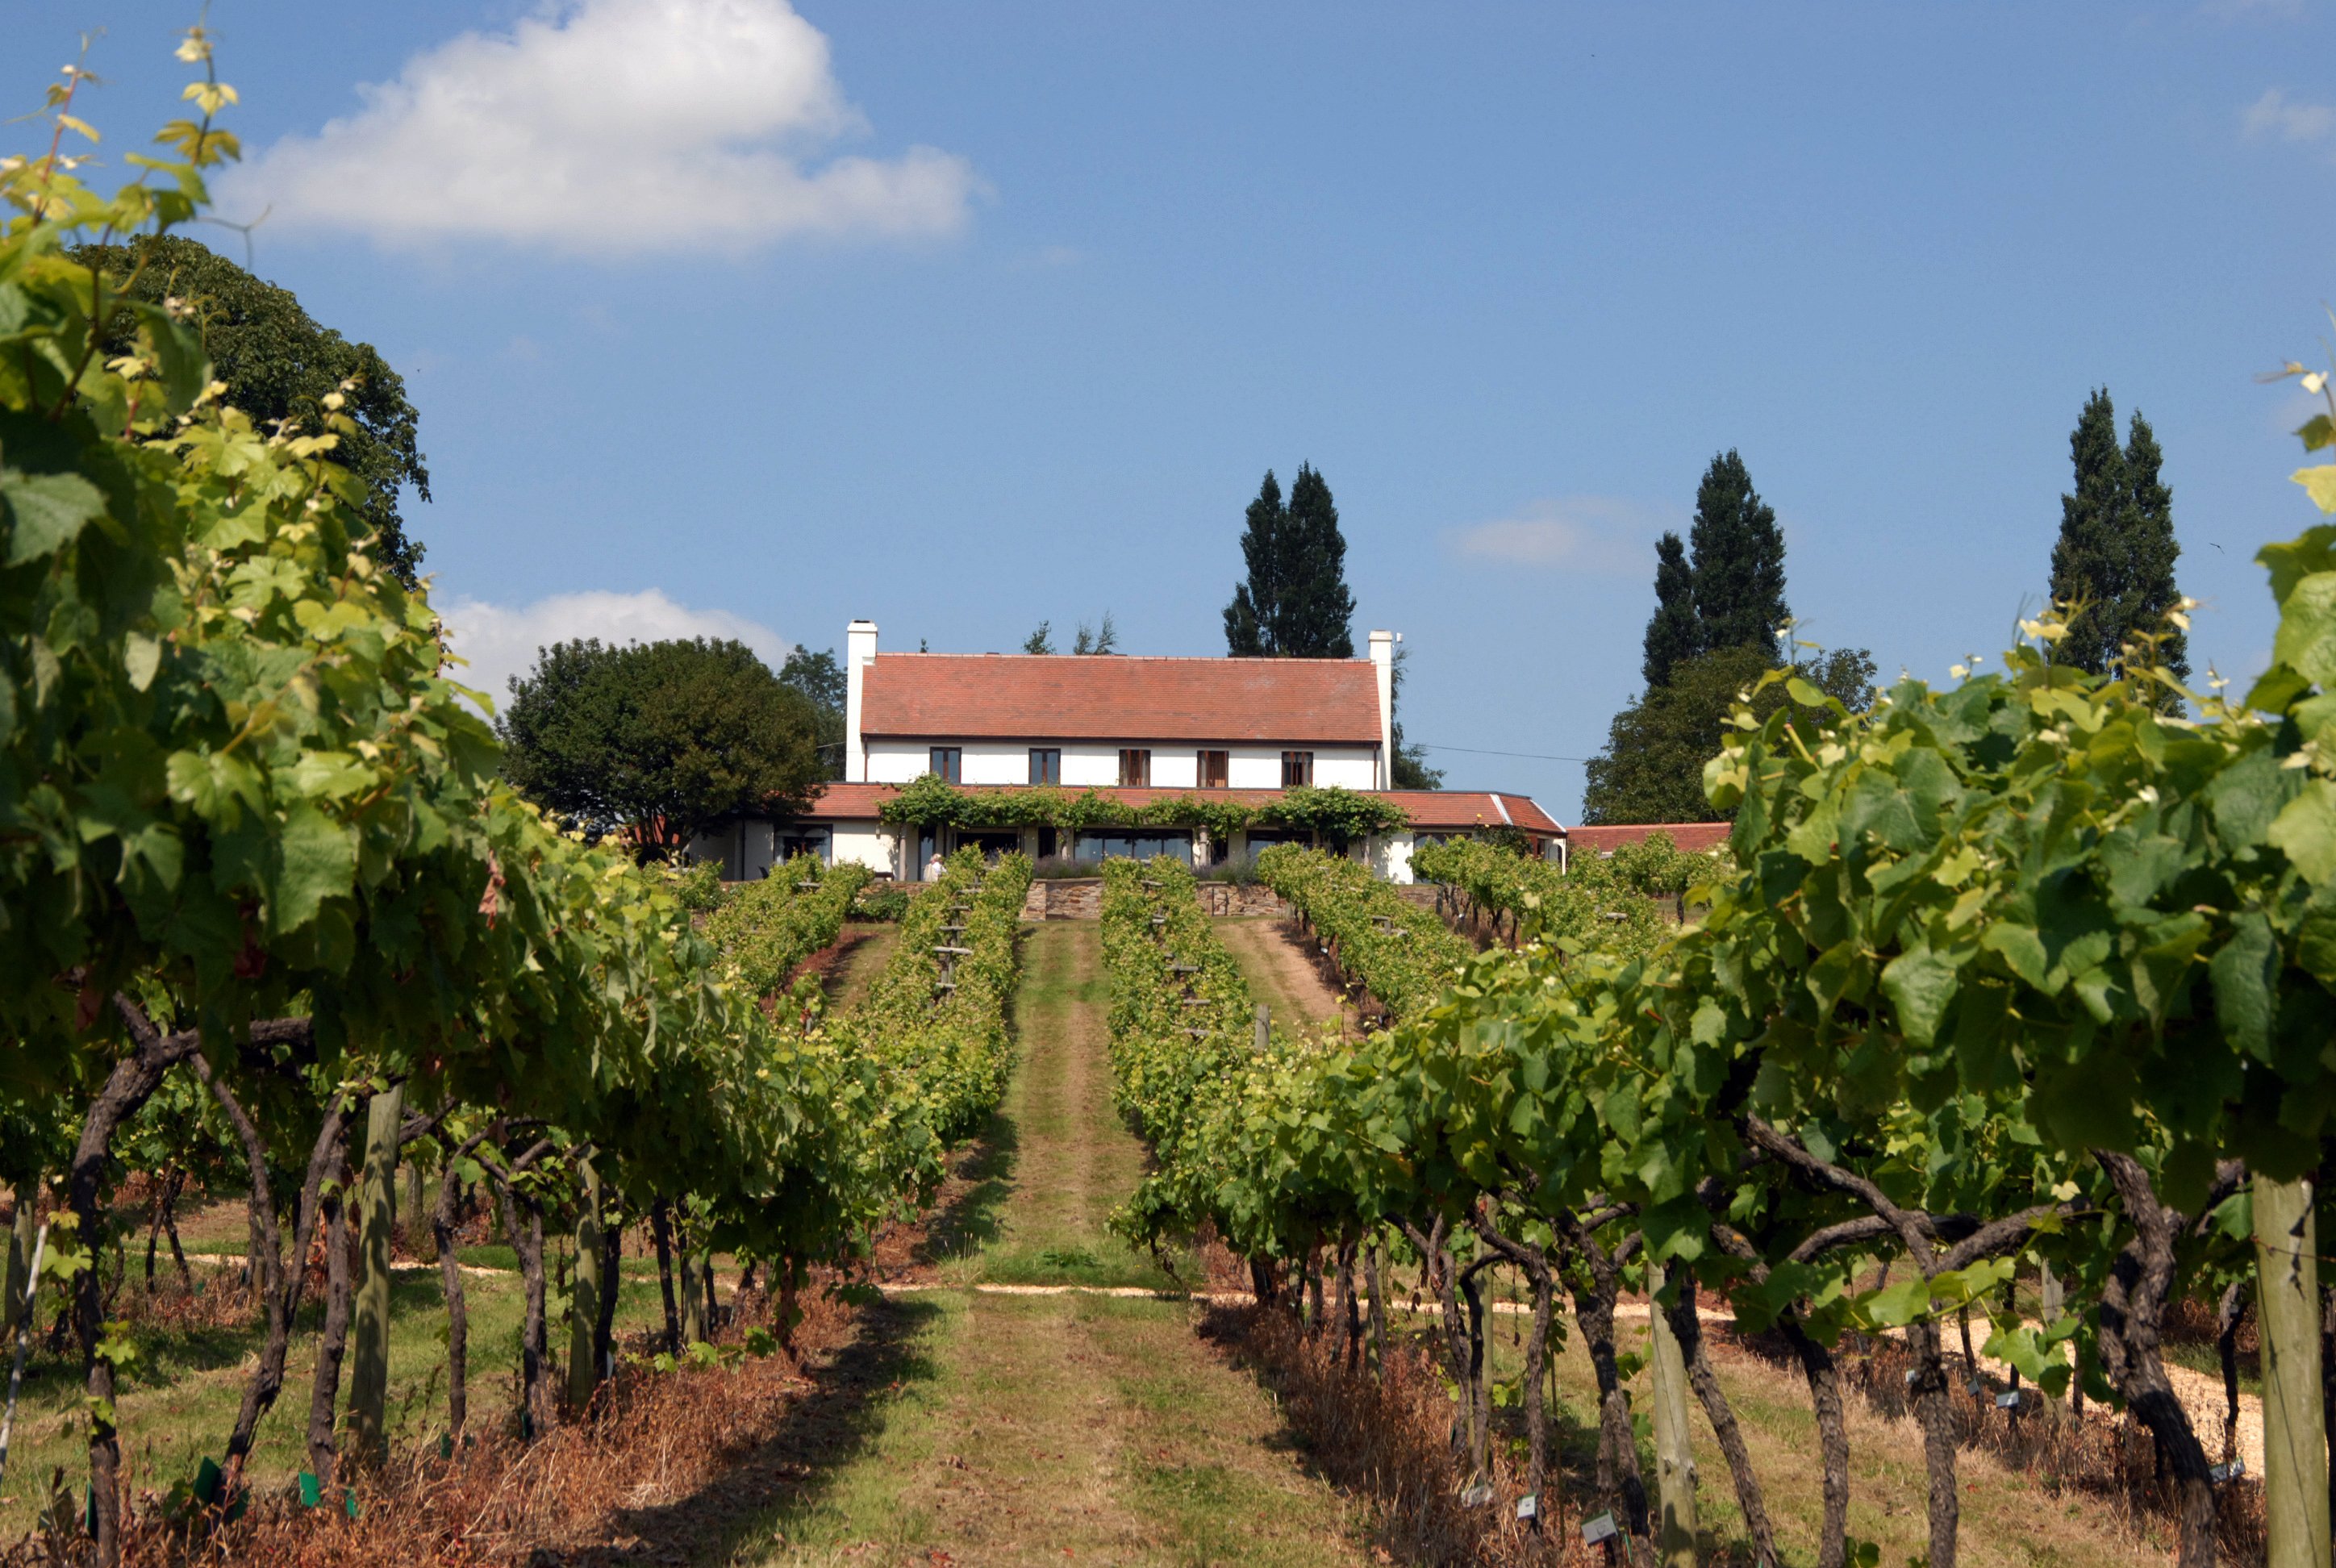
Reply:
x=1382, y=665
x=858, y=652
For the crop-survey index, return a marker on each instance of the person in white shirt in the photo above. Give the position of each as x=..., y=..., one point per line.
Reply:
x=933, y=868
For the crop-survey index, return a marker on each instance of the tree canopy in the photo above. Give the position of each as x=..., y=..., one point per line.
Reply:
x=2113, y=563
x=1672, y=632
x=1651, y=770
x=1410, y=770
x=279, y=363
x=820, y=677
x=1739, y=562
x=1724, y=587
x=659, y=740
x=1719, y=604
x=1102, y=638
x=1294, y=603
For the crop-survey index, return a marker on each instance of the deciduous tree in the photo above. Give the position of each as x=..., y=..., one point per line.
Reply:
x=659, y=740
x=1651, y=770
x=1410, y=771
x=821, y=680
x=279, y=363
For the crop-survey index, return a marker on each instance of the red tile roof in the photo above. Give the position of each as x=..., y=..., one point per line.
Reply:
x=1428, y=809
x=1060, y=697
x=1693, y=837
x=1434, y=809
x=850, y=802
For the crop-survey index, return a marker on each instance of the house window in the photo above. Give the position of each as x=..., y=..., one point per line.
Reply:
x=794, y=841
x=992, y=842
x=1216, y=767
x=1046, y=765
x=1135, y=766
x=1297, y=768
x=1134, y=843
x=948, y=762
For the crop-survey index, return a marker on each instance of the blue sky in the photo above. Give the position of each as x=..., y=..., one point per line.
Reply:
x=725, y=318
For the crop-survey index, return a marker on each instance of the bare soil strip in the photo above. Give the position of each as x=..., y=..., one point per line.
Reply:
x=1281, y=975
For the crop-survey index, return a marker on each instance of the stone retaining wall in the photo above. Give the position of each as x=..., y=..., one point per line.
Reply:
x=1081, y=898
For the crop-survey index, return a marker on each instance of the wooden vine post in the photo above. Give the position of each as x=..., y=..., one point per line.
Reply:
x=1674, y=1458
x=2295, y=1440
x=369, y=1374
x=693, y=1315
x=584, y=1299
x=20, y=1253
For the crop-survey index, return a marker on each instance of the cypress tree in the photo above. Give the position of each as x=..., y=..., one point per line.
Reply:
x=1739, y=560
x=1673, y=633
x=2113, y=564
x=1294, y=603
x=2154, y=549
x=1317, y=610
x=2088, y=561
x=1249, y=618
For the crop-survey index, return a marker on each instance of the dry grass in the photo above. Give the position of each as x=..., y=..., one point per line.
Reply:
x=661, y=1468
x=2106, y=1457
x=1387, y=1440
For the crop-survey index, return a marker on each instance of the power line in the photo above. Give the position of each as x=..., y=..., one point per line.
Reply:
x=1478, y=751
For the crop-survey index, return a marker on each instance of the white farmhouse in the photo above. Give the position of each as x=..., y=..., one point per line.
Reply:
x=1136, y=731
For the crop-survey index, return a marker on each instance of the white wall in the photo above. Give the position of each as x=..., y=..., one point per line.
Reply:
x=1176, y=766
x=858, y=651
x=870, y=844
x=1382, y=649
x=1391, y=856
x=1260, y=767
x=744, y=849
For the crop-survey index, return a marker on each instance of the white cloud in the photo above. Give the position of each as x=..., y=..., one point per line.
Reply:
x=1583, y=532
x=2275, y=114
x=609, y=126
x=500, y=641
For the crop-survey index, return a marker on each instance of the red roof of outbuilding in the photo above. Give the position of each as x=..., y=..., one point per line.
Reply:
x=1433, y=809
x=1693, y=837
x=1430, y=810
x=1059, y=696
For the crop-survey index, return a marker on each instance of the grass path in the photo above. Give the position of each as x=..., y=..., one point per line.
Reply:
x=1279, y=975
x=866, y=945
x=1052, y=1428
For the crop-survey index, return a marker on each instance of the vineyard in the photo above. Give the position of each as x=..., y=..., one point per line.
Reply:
x=270, y=917
x=2003, y=1015
x=2010, y=992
